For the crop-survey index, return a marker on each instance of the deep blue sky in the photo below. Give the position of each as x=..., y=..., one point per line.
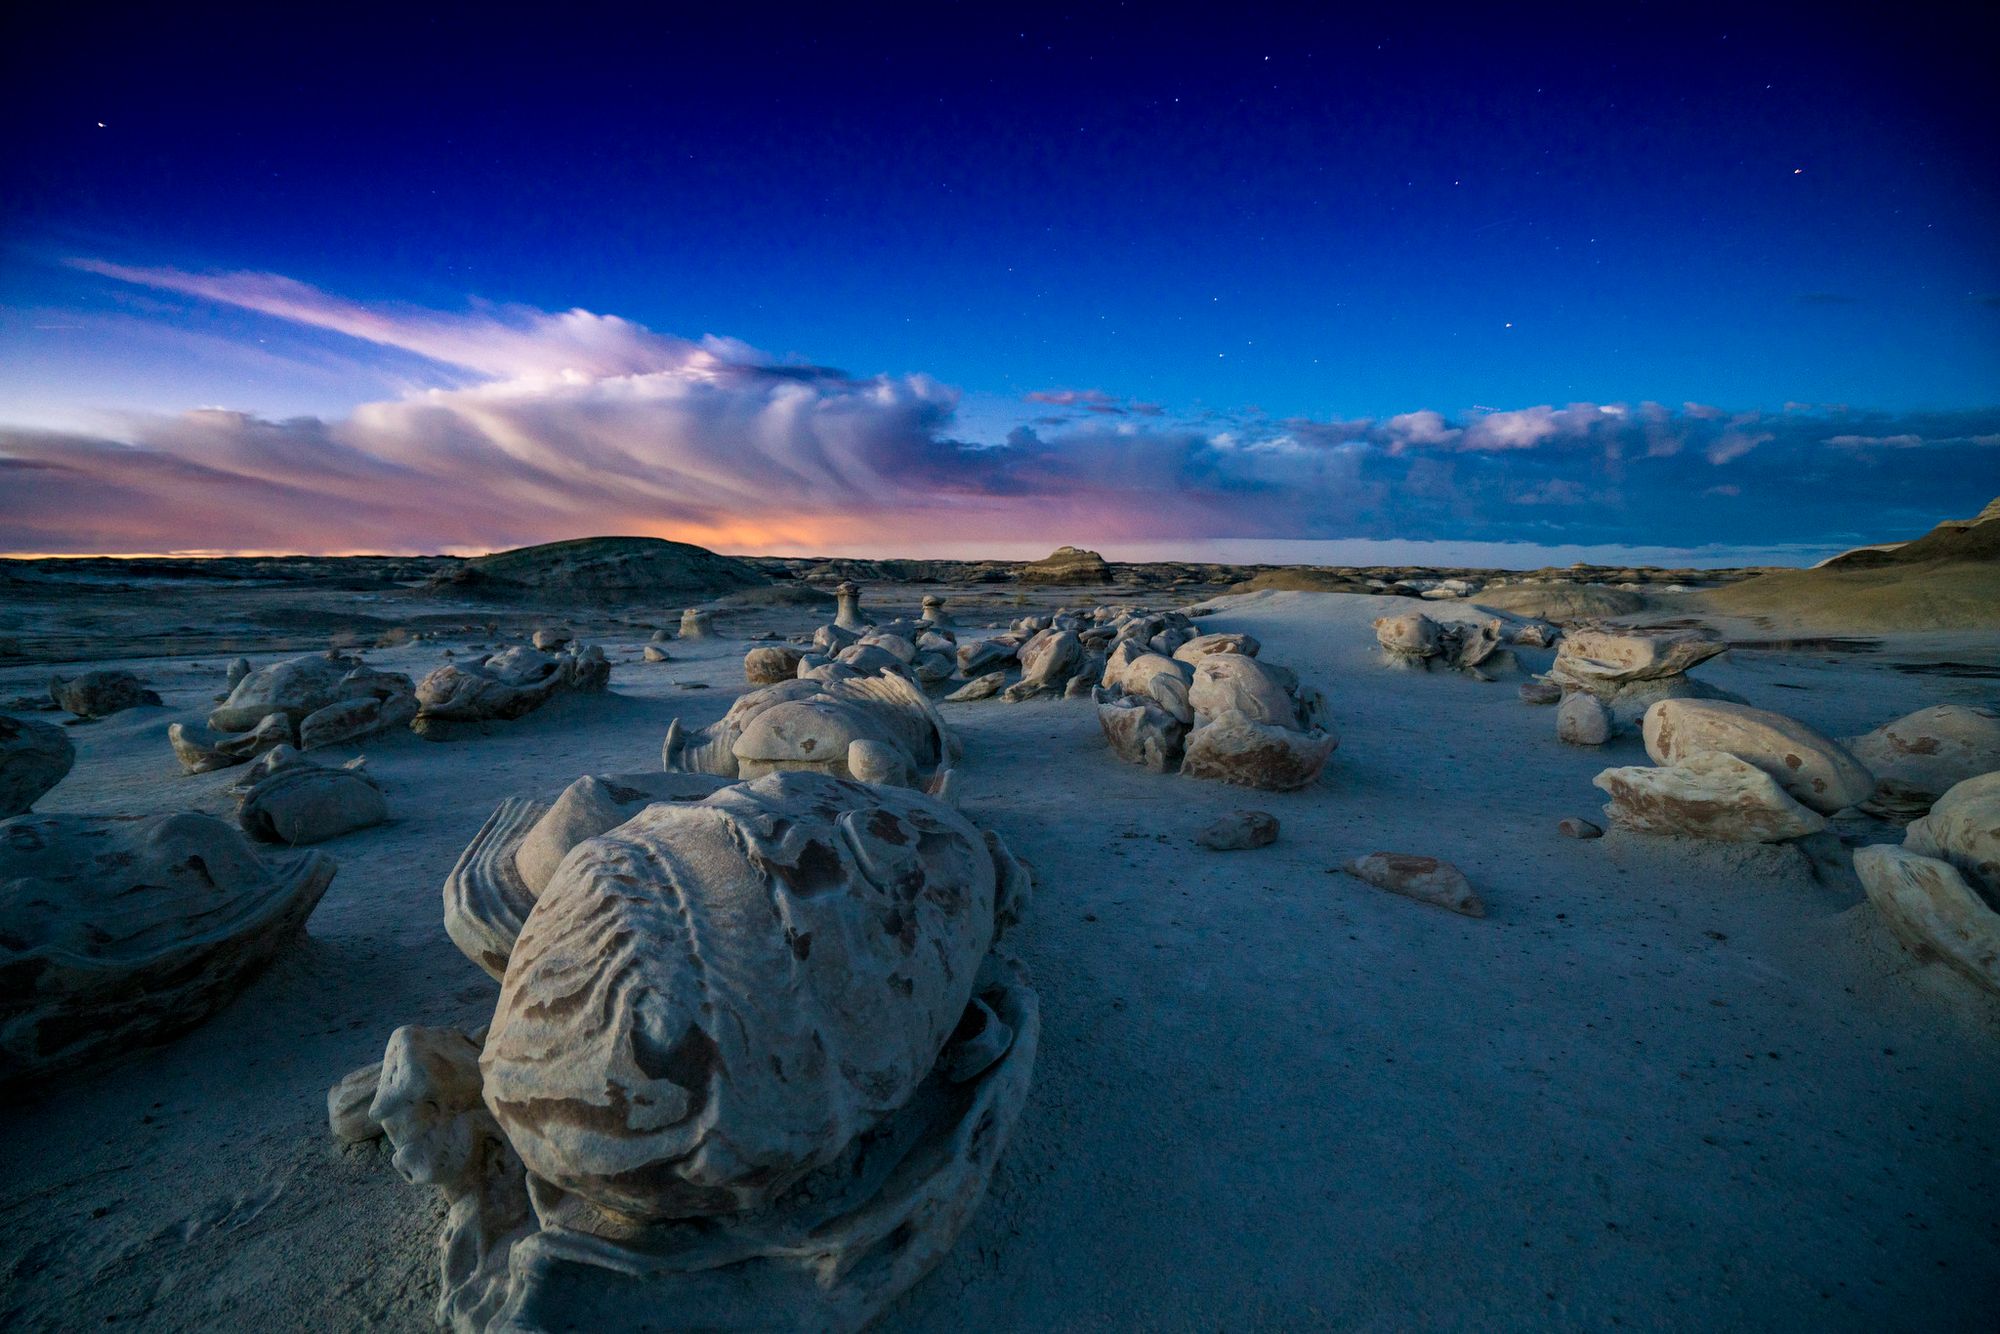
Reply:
x=1215, y=209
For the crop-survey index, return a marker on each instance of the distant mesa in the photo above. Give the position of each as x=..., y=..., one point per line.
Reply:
x=1067, y=565
x=603, y=568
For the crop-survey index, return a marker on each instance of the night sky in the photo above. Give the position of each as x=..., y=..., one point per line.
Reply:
x=945, y=280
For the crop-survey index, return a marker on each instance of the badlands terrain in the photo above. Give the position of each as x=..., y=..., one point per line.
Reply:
x=1664, y=1081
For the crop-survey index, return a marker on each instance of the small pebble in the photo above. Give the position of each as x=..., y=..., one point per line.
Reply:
x=1575, y=827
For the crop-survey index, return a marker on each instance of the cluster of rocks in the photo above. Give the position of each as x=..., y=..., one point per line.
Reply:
x=758, y=1045
x=1604, y=680
x=505, y=685
x=1731, y=772
x=319, y=699
x=1939, y=891
x=1211, y=709
x=118, y=933
x=1477, y=647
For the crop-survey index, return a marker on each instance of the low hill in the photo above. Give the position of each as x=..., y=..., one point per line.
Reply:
x=596, y=568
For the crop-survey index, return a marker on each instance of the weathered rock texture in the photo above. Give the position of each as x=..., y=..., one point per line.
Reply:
x=116, y=933
x=505, y=685
x=1816, y=771
x=1932, y=911
x=1067, y=565
x=752, y=1066
x=34, y=757
x=302, y=802
x=1917, y=758
x=100, y=694
x=1963, y=828
x=1708, y=795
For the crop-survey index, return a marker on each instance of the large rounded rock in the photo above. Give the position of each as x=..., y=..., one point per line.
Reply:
x=303, y=802
x=770, y=665
x=1236, y=748
x=1918, y=758
x=34, y=757
x=1602, y=661
x=713, y=999
x=1232, y=683
x=1932, y=911
x=116, y=932
x=295, y=687
x=1140, y=731
x=1815, y=770
x=1708, y=795
x=1963, y=828
x=100, y=694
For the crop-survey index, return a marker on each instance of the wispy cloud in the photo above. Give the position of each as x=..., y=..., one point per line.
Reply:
x=581, y=423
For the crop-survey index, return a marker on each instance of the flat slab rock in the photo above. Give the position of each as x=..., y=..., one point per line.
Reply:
x=1425, y=879
x=1240, y=830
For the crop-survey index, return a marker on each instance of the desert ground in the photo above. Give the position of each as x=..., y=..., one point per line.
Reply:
x=1663, y=1083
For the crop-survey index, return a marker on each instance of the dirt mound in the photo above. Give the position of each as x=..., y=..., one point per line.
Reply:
x=1560, y=601
x=1926, y=595
x=1302, y=579
x=1067, y=565
x=1948, y=579
x=596, y=568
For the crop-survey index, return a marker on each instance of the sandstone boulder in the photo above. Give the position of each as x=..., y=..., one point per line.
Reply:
x=1815, y=770
x=118, y=933
x=1918, y=758
x=770, y=665
x=1932, y=911
x=1963, y=828
x=1426, y=879
x=1233, y=747
x=1708, y=795
x=99, y=694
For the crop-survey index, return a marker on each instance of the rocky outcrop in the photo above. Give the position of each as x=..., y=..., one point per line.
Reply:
x=34, y=757
x=100, y=694
x=1930, y=908
x=1414, y=640
x=1963, y=828
x=117, y=933
x=754, y=1060
x=1919, y=757
x=505, y=685
x=1631, y=671
x=1425, y=879
x=1067, y=565
x=1708, y=795
x=1814, y=770
x=602, y=569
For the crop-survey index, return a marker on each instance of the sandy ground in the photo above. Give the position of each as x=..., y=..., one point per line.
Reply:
x=1662, y=1084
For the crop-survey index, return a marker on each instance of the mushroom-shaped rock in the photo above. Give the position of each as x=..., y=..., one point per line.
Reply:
x=847, y=607
x=935, y=614
x=1932, y=911
x=1140, y=731
x=491, y=890
x=310, y=803
x=1918, y=758
x=1815, y=770
x=770, y=665
x=34, y=757
x=1963, y=828
x=712, y=1000
x=1709, y=795
x=117, y=933
x=1603, y=660
x=1232, y=683
x=100, y=694
x=1425, y=879
x=1233, y=747
x=1202, y=645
